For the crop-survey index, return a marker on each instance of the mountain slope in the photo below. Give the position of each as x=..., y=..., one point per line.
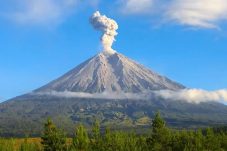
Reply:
x=26, y=115
x=111, y=73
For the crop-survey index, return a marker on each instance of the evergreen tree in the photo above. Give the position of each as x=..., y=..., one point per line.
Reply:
x=223, y=140
x=142, y=143
x=211, y=141
x=175, y=141
x=81, y=139
x=158, y=123
x=108, y=139
x=96, y=140
x=161, y=136
x=53, y=139
x=199, y=140
x=132, y=142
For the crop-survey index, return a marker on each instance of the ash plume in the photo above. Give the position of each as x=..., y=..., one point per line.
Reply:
x=108, y=28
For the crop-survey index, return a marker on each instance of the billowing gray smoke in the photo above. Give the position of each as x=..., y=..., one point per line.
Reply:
x=108, y=27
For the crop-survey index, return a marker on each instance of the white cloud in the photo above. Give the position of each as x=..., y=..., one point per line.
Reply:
x=104, y=95
x=199, y=13
x=194, y=95
x=195, y=13
x=40, y=11
x=188, y=95
x=136, y=6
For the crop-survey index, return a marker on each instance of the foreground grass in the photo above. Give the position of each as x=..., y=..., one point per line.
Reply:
x=23, y=144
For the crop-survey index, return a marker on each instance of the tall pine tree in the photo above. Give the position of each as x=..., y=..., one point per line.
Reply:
x=81, y=140
x=53, y=139
x=161, y=136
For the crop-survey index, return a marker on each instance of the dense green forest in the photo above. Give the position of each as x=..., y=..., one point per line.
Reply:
x=160, y=138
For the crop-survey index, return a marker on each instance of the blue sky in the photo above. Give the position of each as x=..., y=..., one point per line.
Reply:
x=181, y=39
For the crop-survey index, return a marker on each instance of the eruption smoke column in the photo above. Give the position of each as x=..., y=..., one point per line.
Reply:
x=108, y=27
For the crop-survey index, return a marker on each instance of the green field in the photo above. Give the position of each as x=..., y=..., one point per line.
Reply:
x=17, y=144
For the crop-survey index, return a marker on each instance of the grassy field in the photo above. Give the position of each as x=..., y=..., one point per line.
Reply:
x=23, y=144
x=20, y=144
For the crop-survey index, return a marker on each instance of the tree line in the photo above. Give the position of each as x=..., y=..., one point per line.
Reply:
x=161, y=138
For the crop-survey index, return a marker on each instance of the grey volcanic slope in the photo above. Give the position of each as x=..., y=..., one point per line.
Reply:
x=112, y=73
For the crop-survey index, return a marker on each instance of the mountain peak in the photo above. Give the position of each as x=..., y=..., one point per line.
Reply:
x=110, y=71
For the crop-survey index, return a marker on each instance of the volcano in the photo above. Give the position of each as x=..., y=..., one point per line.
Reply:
x=83, y=95
x=110, y=72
